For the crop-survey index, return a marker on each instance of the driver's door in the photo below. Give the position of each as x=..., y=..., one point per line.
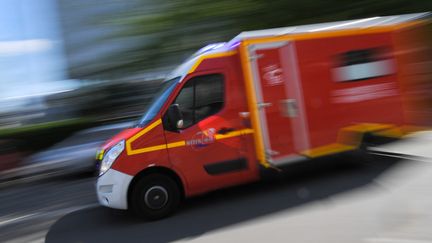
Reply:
x=208, y=149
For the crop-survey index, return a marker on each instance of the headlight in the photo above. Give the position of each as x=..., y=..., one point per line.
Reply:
x=111, y=156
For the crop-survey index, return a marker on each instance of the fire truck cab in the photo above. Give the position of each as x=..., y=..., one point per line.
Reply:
x=262, y=100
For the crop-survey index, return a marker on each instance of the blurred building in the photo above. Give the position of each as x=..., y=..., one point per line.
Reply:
x=32, y=61
x=93, y=40
x=31, y=48
x=47, y=47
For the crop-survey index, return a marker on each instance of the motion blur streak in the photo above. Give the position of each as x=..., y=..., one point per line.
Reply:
x=75, y=73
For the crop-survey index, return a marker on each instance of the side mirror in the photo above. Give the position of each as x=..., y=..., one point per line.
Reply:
x=175, y=117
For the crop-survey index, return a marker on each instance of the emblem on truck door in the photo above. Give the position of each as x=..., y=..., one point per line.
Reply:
x=202, y=139
x=273, y=75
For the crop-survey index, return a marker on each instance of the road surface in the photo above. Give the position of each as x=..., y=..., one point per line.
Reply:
x=388, y=200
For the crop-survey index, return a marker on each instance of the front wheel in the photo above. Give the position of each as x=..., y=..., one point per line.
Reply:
x=155, y=196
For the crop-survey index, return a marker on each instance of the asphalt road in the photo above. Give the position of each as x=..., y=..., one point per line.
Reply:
x=387, y=200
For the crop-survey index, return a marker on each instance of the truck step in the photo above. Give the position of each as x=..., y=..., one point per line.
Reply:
x=287, y=160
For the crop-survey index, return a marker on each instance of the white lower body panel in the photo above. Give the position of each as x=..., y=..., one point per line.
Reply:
x=112, y=188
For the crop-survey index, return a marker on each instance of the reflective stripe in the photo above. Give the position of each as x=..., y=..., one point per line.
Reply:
x=233, y=134
x=182, y=143
x=208, y=56
x=353, y=135
x=327, y=149
x=176, y=144
x=129, y=142
x=350, y=137
x=148, y=149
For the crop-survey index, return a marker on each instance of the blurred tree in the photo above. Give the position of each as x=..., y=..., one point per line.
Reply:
x=176, y=28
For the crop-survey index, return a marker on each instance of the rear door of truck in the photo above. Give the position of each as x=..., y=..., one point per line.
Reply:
x=279, y=100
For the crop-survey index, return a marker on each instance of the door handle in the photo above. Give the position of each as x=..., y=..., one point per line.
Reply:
x=264, y=105
x=225, y=130
x=289, y=108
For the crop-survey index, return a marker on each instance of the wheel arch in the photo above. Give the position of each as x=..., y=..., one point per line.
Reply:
x=157, y=170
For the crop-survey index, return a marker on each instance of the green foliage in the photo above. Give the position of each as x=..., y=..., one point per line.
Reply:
x=40, y=136
x=175, y=29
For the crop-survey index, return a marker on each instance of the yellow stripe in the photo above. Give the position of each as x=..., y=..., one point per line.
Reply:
x=233, y=134
x=147, y=149
x=407, y=129
x=208, y=56
x=368, y=127
x=129, y=142
x=349, y=138
x=391, y=133
x=327, y=150
x=183, y=143
x=176, y=144
x=348, y=141
x=252, y=104
x=353, y=135
x=248, y=131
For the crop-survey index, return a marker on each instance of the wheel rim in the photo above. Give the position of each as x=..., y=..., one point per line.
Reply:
x=156, y=197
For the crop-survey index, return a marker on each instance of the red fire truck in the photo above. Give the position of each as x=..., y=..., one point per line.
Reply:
x=262, y=100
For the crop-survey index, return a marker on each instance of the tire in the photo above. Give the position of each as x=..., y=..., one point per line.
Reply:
x=155, y=196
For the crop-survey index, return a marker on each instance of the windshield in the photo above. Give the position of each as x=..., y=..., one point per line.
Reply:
x=159, y=99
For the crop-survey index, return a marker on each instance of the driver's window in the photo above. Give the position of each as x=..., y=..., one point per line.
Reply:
x=201, y=97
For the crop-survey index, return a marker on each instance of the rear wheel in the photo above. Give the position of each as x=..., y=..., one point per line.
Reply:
x=155, y=196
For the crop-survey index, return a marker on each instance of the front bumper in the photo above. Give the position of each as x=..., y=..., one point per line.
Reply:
x=112, y=188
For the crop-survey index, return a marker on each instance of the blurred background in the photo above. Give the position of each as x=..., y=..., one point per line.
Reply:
x=74, y=73
x=67, y=66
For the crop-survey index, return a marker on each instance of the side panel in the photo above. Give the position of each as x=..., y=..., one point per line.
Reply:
x=348, y=80
x=332, y=85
